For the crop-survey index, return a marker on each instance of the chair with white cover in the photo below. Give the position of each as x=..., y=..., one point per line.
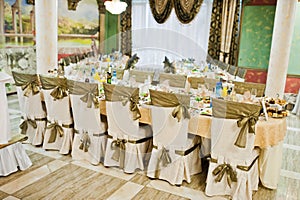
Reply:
x=13, y=156
x=129, y=143
x=30, y=101
x=175, y=155
x=59, y=130
x=195, y=81
x=175, y=80
x=90, y=138
x=241, y=87
x=140, y=76
x=233, y=167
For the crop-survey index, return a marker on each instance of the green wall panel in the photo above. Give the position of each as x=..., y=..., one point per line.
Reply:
x=256, y=36
x=294, y=63
x=111, y=32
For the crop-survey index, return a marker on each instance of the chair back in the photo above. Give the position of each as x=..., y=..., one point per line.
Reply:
x=57, y=85
x=194, y=81
x=241, y=72
x=56, y=99
x=232, y=129
x=211, y=82
x=29, y=96
x=232, y=70
x=29, y=83
x=170, y=119
x=141, y=76
x=241, y=87
x=85, y=106
x=122, y=111
x=175, y=80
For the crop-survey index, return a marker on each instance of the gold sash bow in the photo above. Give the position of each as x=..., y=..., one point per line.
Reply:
x=90, y=98
x=223, y=169
x=119, y=147
x=181, y=111
x=164, y=158
x=24, y=125
x=179, y=101
x=59, y=86
x=28, y=82
x=244, y=122
x=89, y=91
x=124, y=94
x=55, y=129
x=133, y=107
x=247, y=115
x=85, y=142
x=30, y=87
x=59, y=92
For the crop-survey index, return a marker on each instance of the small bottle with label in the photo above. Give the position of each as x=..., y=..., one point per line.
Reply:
x=114, y=79
x=108, y=76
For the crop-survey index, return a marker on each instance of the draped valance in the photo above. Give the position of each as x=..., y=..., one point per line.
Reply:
x=186, y=10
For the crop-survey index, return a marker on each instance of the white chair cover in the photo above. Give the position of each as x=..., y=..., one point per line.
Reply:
x=172, y=135
x=88, y=125
x=135, y=142
x=170, y=139
x=31, y=107
x=58, y=114
x=233, y=170
x=13, y=158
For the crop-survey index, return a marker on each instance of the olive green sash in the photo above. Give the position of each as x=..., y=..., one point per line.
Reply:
x=118, y=146
x=59, y=86
x=223, y=169
x=164, y=158
x=175, y=80
x=24, y=125
x=179, y=101
x=194, y=81
x=55, y=129
x=247, y=115
x=28, y=82
x=89, y=91
x=241, y=87
x=85, y=141
x=125, y=95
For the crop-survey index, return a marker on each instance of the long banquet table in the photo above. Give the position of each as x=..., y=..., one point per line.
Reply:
x=269, y=136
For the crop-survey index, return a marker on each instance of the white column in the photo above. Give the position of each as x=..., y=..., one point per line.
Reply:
x=5, y=134
x=20, y=20
x=2, y=38
x=46, y=35
x=281, y=45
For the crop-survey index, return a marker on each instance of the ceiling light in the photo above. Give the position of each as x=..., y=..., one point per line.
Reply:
x=115, y=6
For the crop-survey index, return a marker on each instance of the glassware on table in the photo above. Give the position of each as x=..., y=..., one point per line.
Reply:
x=253, y=93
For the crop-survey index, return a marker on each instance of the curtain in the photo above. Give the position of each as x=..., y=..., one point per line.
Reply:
x=153, y=41
x=186, y=10
x=126, y=26
x=161, y=9
x=224, y=31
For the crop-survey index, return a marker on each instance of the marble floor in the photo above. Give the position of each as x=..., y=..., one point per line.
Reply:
x=55, y=176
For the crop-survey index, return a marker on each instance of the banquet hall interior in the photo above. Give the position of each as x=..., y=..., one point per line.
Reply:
x=150, y=99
